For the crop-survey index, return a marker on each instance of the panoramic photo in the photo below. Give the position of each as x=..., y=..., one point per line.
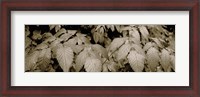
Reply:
x=99, y=48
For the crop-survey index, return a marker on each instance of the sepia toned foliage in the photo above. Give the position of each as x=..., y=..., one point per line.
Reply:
x=100, y=48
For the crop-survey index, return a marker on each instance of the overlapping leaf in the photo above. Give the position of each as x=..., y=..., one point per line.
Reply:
x=165, y=60
x=123, y=51
x=136, y=61
x=153, y=58
x=65, y=58
x=116, y=43
x=93, y=65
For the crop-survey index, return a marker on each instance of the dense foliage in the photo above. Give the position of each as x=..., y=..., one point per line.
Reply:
x=100, y=48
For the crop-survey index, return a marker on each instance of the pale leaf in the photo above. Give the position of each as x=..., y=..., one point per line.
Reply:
x=93, y=65
x=65, y=58
x=147, y=46
x=27, y=42
x=31, y=60
x=100, y=50
x=118, y=28
x=105, y=67
x=47, y=35
x=96, y=36
x=27, y=33
x=113, y=67
x=50, y=39
x=112, y=27
x=51, y=27
x=82, y=39
x=44, y=59
x=116, y=43
x=159, y=69
x=135, y=40
x=134, y=33
x=123, y=51
x=41, y=46
x=55, y=48
x=75, y=48
x=165, y=60
x=138, y=48
x=99, y=26
x=71, y=32
x=80, y=60
x=57, y=28
x=172, y=57
x=65, y=36
x=136, y=61
x=36, y=35
x=157, y=41
x=144, y=32
x=60, y=32
x=72, y=41
x=55, y=43
x=153, y=58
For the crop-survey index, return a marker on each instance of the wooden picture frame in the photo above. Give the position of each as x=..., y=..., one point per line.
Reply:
x=193, y=90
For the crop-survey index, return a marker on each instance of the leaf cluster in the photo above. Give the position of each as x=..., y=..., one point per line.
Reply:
x=99, y=48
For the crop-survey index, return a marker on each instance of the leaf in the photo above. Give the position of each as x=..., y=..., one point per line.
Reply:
x=118, y=28
x=57, y=28
x=159, y=69
x=76, y=48
x=47, y=35
x=93, y=54
x=80, y=60
x=123, y=51
x=153, y=58
x=112, y=27
x=147, y=46
x=65, y=58
x=172, y=57
x=93, y=65
x=99, y=26
x=113, y=67
x=82, y=39
x=138, y=48
x=100, y=50
x=165, y=60
x=157, y=41
x=60, y=32
x=72, y=41
x=134, y=33
x=135, y=40
x=105, y=67
x=51, y=27
x=55, y=43
x=36, y=35
x=31, y=60
x=96, y=37
x=27, y=42
x=27, y=33
x=126, y=28
x=65, y=36
x=55, y=48
x=41, y=46
x=136, y=61
x=44, y=59
x=116, y=43
x=144, y=32
x=50, y=39
x=71, y=32
x=107, y=42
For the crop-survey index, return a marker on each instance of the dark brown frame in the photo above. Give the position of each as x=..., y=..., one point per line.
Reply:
x=193, y=90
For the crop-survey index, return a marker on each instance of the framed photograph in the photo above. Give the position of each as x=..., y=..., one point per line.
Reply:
x=139, y=48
